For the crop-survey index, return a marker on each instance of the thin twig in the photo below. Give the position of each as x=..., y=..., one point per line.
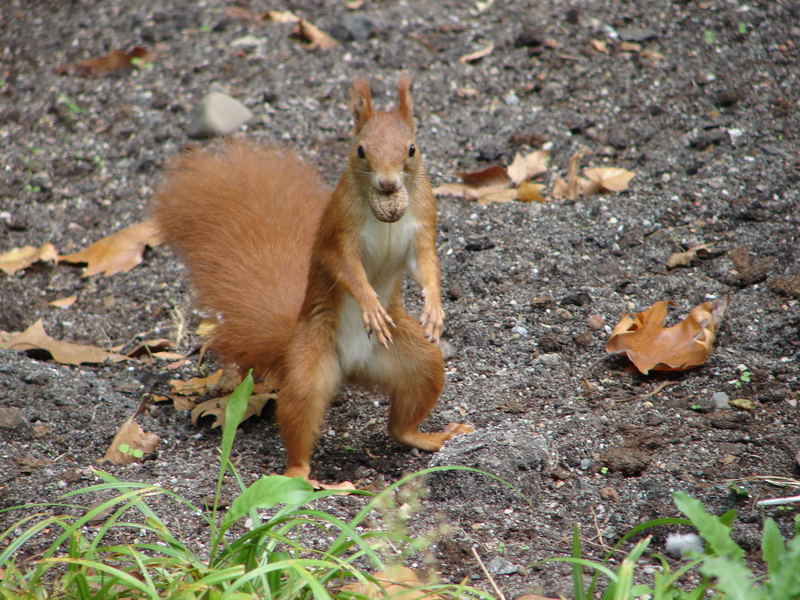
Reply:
x=778, y=501
x=488, y=575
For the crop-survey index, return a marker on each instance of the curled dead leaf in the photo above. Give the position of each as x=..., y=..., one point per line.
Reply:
x=610, y=179
x=103, y=65
x=530, y=192
x=281, y=16
x=35, y=338
x=130, y=443
x=526, y=167
x=684, y=259
x=494, y=175
x=316, y=38
x=17, y=259
x=215, y=407
x=197, y=386
x=118, y=252
x=478, y=54
x=64, y=302
x=651, y=346
x=396, y=582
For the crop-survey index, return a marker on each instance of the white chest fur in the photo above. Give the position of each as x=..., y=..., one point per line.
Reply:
x=386, y=249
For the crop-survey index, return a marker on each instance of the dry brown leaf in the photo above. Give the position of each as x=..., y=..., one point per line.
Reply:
x=630, y=47
x=397, y=582
x=493, y=175
x=281, y=16
x=198, y=386
x=316, y=38
x=238, y=12
x=132, y=435
x=103, y=65
x=118, y=252
x=64, y=302
x=215, y=407
x=35, y=338
x=651, y=346
x=501, y=195
x=598, y=45
x=611, y=179
x=534, y=597
x=684, y=259
x=531, y=192
x=478, y=54
x=20, y=258
x=573, y=167
x=342, y=486
x=523, y=168
x=158, y=348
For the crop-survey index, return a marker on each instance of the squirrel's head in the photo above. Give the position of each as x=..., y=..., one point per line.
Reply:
x=384, y=154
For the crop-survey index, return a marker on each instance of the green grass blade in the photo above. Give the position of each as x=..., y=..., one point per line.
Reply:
x=578, y=581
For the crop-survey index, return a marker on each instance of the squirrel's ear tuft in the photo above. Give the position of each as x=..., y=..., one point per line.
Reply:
x=360, y=102
x=405, y=105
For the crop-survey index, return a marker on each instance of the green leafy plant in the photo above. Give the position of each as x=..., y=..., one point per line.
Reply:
x=724, y=573
x=724, y=559
x=743, y=378
x=246, y=555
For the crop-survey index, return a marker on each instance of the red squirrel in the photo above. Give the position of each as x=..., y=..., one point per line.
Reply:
x=307, y=282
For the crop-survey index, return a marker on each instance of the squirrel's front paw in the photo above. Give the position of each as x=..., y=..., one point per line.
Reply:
x=432, y=320
x=377, y=320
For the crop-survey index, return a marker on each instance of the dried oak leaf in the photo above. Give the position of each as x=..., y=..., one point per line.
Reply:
x=103, y=65
x=64, y=302
x=684, y=259
x=118, y=252
x=35, y=338
x=610, y=179
x=530, y=192
x=197, y=386
x=398, y=582
x=526, y=167
x=316, y=38
x=215, y=407
x=130, y=442
x=494, y=175
x=651, y=346
x=20, y=258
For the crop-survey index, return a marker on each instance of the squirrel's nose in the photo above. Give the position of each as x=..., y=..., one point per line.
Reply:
x=388, y=185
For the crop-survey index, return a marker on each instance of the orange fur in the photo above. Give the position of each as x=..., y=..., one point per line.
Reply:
x=307, y=281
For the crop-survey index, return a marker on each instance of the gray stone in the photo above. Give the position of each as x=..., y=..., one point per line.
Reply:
x=500, y=566
x=12, y=418
x=636, y=34
x=218, y=114
x=720, y=400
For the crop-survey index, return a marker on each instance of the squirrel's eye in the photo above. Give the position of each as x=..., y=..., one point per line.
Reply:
x=361, y=152
x=412, y=149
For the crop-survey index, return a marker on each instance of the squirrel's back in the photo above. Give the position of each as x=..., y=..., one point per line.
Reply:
x=243, y=217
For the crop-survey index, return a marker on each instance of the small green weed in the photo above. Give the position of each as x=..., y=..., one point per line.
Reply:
x=721, y=567
x=266, y=561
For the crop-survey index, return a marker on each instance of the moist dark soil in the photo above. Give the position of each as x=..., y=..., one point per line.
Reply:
x=699, y=99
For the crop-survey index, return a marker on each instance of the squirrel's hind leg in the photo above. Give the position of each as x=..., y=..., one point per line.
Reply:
x=411, y=372
x=311, y=379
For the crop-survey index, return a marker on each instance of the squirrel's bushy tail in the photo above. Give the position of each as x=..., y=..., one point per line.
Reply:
x=243, y=217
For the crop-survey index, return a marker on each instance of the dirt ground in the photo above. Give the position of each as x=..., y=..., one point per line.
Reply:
x=698, y=98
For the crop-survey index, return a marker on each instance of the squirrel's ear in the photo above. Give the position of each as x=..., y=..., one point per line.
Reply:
x=405, y=105
x=360, y=102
